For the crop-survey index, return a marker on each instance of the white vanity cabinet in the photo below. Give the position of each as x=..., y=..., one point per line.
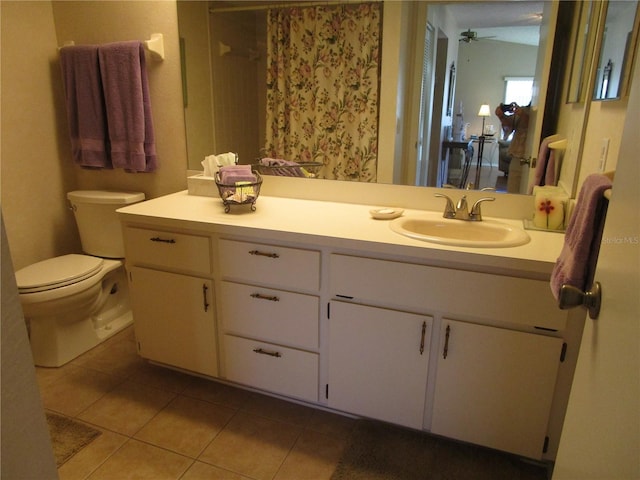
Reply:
x=495, y=386
x=172, y=298
x=378, y=362
x=492, y=379
x=269, y=307
x=317, y=302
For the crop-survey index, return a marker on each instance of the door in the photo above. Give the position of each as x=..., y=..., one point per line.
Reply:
x=540, y=85
x=601, y=434
x=494, y=386
x=378, y=361
x=173, y=318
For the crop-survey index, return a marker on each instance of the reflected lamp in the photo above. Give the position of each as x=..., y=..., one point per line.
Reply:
x=484, y=112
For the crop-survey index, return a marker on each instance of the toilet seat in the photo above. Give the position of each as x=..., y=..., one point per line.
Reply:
x=57, y=272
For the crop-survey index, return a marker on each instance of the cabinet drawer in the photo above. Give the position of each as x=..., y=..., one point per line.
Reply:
x=279, y=266
x=471, y=294
x=272, y=367
x=273, y=315
x=168, y=250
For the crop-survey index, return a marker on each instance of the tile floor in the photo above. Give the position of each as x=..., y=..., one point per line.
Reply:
x=160, y=424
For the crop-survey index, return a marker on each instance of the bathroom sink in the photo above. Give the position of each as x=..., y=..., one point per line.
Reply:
x=432, y=227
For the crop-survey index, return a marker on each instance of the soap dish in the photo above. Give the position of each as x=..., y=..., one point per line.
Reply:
x=386, y=213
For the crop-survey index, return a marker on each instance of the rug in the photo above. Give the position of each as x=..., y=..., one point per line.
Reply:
x=379, y=451
x=68, y=437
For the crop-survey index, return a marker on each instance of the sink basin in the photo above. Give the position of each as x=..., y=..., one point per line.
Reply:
x=436, y=229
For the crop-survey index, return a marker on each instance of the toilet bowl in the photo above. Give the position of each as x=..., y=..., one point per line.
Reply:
x=74, y=302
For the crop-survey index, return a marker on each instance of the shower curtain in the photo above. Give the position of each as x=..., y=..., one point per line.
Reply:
x=322, y=87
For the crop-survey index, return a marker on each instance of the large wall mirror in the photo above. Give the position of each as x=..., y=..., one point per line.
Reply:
x=617, y=40
x=229, y=49
x=584, y=43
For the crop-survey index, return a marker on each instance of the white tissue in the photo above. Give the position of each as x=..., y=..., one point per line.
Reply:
x=212, y=163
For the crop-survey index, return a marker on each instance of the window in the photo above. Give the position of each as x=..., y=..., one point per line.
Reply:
x=518, y=90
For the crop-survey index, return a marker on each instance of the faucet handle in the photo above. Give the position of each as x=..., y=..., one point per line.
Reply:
x=449, y=209
x=475, y=213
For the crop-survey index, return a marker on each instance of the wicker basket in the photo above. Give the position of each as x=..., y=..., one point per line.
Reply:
x=244, y=194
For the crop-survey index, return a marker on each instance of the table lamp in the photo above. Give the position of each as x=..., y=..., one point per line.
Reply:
x=485, y=111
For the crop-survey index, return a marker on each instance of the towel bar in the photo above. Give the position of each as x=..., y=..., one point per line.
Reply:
x=155, y=46
x=571, y=297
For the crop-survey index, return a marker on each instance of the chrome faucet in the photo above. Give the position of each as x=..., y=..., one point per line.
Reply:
x=460, y=211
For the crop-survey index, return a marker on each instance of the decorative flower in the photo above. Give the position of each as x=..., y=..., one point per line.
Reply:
x=546, y=207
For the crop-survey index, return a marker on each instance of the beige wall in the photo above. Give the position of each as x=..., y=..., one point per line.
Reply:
x=193, y=20
x=84, y=22
x=37, y=170
x=34, y=176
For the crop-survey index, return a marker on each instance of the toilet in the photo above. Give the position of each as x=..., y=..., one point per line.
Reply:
x=74, y=302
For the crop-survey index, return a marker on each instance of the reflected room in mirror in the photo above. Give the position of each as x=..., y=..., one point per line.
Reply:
x=616, y=52
x=361, y=102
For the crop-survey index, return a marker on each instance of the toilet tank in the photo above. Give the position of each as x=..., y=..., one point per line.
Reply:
x=98, y=222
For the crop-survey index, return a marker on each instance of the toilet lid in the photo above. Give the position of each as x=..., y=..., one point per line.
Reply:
x=57, y=272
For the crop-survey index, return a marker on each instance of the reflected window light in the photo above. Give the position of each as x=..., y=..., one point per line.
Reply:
x=518, y=90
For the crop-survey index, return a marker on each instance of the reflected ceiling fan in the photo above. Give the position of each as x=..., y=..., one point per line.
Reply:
x=470, y=35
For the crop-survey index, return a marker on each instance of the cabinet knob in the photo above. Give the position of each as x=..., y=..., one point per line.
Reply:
x=264, y=254
x=162, y=240
x=271, y=298
x=445, y=350
x=267, y=352
x=205, y=303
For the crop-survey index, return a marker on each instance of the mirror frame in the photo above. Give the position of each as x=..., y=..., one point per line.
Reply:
x=604, y=64
x=452, y=88
x=582, y=55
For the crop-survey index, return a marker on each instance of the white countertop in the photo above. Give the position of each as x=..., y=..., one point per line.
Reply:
x=345, y=227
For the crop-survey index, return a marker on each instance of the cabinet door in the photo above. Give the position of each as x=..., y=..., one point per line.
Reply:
x=494, y=387
x=173, y=317
x=378, y=361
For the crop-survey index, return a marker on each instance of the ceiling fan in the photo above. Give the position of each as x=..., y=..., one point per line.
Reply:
x=470, y=35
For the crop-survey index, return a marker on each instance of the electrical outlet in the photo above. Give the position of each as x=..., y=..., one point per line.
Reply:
x=604, y=150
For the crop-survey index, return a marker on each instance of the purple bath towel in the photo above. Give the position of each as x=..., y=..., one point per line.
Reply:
x=577, y=261
x=85, y=105
x=545, y=172
x=128, y=107
x=284, y=168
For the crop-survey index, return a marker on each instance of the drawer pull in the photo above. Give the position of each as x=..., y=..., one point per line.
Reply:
x=205, y=304
x=264, y=254
x=271, y=298
x=424, y=330
x=163, y=240
x=266, y=352
x=446, y=342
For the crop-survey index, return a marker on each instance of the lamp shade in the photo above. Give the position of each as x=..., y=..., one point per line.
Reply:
x=485, y=110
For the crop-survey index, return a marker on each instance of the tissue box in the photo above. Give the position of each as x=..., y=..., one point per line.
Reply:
x=202, y=186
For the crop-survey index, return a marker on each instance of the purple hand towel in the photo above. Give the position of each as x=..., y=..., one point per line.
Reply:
x=128, y=106
x=545, y=172
x=577, y=261
x=85, y=105
x=231, y=174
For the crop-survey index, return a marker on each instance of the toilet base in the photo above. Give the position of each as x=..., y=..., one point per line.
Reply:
x=54, y=344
